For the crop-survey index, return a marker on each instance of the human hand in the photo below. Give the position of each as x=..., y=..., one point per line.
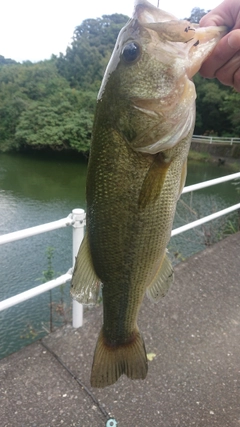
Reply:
x=224, y=61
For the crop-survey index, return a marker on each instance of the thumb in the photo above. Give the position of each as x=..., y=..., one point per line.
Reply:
x=211, y=19
x=227, y=13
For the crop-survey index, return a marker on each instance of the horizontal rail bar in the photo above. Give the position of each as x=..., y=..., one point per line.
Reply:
x=210, y=182
x=32, y=231
x=220, y=138
x=211, y=139
x=203, y=220
x=69, y=220
x=64, y=222
x=37, y=290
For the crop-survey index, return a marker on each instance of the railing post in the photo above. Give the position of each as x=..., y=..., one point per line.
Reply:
x=78, y=216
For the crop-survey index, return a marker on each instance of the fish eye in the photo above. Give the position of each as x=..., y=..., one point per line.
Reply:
x=131, y=52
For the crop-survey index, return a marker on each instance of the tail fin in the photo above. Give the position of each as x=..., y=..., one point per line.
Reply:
x=110, y=362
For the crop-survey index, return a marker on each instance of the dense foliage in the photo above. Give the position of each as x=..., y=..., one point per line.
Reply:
x=51, y=103
x=85, y=60
x=6, y=61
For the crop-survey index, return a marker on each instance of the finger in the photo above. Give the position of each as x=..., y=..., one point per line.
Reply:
x=226, y=49
x=227, y=13
x=228, y=74
x=214, y=19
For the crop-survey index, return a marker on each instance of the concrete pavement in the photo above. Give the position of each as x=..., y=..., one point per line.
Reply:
x=193, y=336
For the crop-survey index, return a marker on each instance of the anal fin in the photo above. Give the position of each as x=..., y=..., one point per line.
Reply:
x=85, y=283
x=162, y=281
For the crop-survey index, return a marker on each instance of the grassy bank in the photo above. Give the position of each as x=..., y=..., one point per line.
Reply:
x=201, y=157
x=234, y=164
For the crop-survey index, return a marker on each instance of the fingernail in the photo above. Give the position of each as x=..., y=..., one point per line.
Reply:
x=234, y=40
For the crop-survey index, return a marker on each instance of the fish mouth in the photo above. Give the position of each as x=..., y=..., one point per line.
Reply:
x=201, y=44
x=184, y=39
x=189, y=42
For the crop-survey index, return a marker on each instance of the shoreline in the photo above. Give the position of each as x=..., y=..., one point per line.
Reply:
x=221, y=161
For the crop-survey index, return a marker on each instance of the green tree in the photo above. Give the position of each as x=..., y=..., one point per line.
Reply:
x=101, y=32
x=6, y=61
x=58, y=123
x=52, y=103
x=85, y=60
x=231, y=107
x=25, y=88
x=196, y=15
x=82, y=65
x=211, y=118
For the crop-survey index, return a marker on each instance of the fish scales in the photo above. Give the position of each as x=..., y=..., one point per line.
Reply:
x=139, y=250
x=137, y=168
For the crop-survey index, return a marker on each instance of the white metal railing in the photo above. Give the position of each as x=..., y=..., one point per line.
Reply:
x=205, y=219
x=77, y=220
x=211, y=139
x=215, y=215
x=33, y=231
x=211, y=182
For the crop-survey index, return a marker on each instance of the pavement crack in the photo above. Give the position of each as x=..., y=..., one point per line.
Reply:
x=84, y=387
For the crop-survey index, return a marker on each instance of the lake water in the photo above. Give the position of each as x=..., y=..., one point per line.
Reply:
x=39, y=188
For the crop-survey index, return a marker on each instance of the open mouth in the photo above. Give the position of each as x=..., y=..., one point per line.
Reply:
x=200, y=45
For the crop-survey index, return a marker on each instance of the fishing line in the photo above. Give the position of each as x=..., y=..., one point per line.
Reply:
x=111, y=422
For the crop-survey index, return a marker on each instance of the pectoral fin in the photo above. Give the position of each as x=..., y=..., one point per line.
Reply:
x=161, y=281
x=85, y=283
x=154, y=180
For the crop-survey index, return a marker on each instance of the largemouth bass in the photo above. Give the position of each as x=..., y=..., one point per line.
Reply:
x=142, y=131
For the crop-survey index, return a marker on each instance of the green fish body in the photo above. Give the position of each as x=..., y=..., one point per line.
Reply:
x=142, y=131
